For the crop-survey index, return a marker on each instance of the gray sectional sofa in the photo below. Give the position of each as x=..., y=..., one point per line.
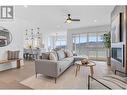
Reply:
x=54, y=67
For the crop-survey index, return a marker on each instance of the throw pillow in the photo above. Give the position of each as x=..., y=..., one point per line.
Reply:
x=60, y=54
x=12, y=55
x=69, y=53
x=45, y=55
x=16, y=54
x=55, y=53
x=52, y=57
x=9, y=55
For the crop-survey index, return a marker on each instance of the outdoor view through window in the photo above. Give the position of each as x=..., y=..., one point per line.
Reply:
x=90, y=44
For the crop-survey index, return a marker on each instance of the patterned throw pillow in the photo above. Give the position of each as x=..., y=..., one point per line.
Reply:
x=11, y=55
x=16, y=54
x=45, y=55
x=52, y=57
x=55, y=53
x=69, y=53
x=61, y=54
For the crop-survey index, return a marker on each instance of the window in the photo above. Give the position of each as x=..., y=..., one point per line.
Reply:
x=101, y=53
x=36, y=42
x=92, y=53
x=90, y=44
x=100, y=37
x=92, y=37
x=83, y=38
x=60, y=42
x=83, y=44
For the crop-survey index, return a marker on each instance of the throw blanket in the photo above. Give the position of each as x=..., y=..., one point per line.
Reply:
x=112, y=81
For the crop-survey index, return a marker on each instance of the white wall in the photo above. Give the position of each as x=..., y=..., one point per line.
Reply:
x=17, y=28
x=83, y=30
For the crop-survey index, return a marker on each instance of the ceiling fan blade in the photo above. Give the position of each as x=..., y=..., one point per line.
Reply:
x=75, y=19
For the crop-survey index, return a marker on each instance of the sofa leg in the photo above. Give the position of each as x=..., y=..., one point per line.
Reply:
x=88, y=82
x=55, y=80
x=36, y=75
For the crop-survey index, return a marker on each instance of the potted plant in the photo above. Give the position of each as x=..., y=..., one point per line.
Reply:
x=107, y=44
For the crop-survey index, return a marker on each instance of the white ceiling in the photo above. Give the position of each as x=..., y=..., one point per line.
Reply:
x=53, y=17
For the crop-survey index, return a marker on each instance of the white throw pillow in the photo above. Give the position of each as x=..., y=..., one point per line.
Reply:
x=69, y=53
x=61, y=54
x=52, y=57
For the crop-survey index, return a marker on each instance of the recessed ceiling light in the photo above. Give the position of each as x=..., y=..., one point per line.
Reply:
x=95, y=20
x=25, y=6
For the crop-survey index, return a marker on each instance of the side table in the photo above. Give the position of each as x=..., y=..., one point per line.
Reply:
x=18, y=63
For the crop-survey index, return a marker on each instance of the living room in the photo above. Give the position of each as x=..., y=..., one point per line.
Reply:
x=76, y=36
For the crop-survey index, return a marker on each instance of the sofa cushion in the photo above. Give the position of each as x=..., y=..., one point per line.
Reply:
x=60, y=54
x=64, y=64
x=70, y=59
x=52, y=56
x=69, y=53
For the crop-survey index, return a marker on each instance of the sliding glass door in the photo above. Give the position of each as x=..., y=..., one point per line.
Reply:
x=90, y=44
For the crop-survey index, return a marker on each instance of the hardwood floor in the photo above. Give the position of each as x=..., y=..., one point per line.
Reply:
x=10, y=79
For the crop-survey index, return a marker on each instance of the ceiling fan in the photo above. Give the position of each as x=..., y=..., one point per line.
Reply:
x=69, y=19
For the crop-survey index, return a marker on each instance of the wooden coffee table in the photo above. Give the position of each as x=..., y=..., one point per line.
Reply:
x=90, y=64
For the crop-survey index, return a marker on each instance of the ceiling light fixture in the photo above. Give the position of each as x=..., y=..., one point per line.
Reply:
x=68, y=21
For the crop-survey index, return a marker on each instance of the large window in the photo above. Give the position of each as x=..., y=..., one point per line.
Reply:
x=82, y=45
x=100, y=37
x=90, y=44
x=60, y=42
x=92, y=37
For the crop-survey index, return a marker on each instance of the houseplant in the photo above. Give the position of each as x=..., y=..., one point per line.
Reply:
x=107, y=44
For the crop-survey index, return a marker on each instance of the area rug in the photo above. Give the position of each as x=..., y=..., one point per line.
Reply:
x=115, y=82
x=66, y=81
